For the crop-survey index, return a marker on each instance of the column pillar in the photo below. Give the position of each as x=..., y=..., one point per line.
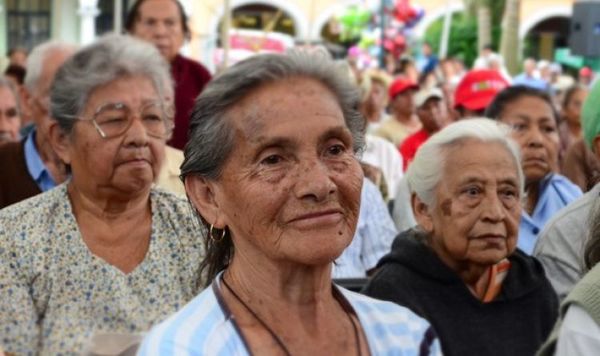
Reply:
x=88, y=10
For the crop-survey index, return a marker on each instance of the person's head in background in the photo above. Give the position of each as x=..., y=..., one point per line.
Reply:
x=160, y=22
x=408, y=69
x=534, y=121
x=10, y=119
x=529, y=66
x=476, y=91
x=572, y=103
x=487, y=50
x=374, y=89
x=16, y=74
x=42, y=64
x=401, y=96
x=543, y=68
x=586, y=75
x=18, y=56
x=431, y=109
x=426, y=49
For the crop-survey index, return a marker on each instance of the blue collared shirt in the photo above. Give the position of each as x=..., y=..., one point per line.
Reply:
x=556, y=192
x=375, y=232
x=205, y=326
x=36, y=168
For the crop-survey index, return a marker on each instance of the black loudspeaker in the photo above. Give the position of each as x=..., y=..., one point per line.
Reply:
x=585, y=28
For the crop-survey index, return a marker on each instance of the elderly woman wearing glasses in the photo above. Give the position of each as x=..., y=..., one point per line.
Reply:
x=106, y=251
x=272, y=172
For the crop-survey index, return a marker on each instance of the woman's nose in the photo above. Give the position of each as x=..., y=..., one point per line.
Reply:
x=313, y=181
x=136, y=134
x=534, y=137
x=493, y=209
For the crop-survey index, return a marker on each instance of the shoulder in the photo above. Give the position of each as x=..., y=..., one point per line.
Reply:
x=571, y=218
x=379, y=311
x=10, y=152
x=174, y=205
x=196, y=328
x=567, y=189
x=175, y=214
x=390, y=328
x=35, y=209
x=578, y=210
x=194, y=66
x=9, y=148
x=579, y=333
x=380, y=143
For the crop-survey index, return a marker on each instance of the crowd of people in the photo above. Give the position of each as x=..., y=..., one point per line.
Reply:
x=294, y=204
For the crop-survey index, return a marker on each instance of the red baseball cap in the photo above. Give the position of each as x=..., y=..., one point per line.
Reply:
x=400, y=85
x=585, y=72
x=478, y=88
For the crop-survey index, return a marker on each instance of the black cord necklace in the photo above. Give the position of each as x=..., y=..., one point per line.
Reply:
x=274, y=335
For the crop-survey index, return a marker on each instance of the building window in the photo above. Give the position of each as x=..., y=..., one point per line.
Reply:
x=28, y=22
x=105, y=20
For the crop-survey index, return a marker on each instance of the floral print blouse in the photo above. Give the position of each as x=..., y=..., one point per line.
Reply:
x=55, y=294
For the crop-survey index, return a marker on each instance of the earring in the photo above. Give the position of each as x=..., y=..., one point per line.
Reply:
x=212, y=236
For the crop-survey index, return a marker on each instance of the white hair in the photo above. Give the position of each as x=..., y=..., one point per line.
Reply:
x=35, y=60
x=425, y=172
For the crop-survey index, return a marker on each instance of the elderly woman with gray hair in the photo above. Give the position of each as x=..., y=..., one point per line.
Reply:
x=106, y=251
x=272, y=172
x=459, y=268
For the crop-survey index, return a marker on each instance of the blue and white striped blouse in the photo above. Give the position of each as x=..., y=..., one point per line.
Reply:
x=203, y=327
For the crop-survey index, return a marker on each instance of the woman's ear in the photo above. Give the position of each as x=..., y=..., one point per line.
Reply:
x=201, y=193
x=422, y=214
x=60, y=142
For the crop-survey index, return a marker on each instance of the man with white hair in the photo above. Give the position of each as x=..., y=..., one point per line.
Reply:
x=31, y=166
x=530, y=76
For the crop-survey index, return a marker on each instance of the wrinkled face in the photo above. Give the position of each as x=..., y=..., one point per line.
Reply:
x=159, y=22
x=433, y=114
x=290, y=189
x=535, y=129
x=10, y=121
x=475, y=219
x=127, y=163
x=572, y=111
x=403, y=104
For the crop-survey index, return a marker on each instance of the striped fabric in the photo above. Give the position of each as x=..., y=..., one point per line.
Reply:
x=203, y=327
x=374, y=235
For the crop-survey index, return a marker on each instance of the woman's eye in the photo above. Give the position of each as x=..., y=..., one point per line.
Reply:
x=509, y=193
x=549, y=129
x=271, y=160
x=472, y=191
x=336, y=150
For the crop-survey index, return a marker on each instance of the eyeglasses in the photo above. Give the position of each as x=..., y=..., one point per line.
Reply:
x=114, y=119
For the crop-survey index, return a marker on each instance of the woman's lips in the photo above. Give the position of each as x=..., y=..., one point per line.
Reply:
x=320, y=218
x=535, y=161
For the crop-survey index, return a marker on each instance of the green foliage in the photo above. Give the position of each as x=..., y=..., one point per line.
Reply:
x=463, y=35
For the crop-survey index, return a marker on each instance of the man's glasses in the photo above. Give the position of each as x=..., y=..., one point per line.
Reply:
x=114, y=119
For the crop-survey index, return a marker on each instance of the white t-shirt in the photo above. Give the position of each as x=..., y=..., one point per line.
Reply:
x=385, y=156
x=579, y=334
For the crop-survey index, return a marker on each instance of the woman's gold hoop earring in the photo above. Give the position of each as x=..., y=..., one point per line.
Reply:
x=212, y=236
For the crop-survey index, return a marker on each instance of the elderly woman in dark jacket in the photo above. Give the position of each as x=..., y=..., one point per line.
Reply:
x=459, y=268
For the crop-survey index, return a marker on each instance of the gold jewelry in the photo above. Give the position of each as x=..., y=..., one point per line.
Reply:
x=212, y=236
